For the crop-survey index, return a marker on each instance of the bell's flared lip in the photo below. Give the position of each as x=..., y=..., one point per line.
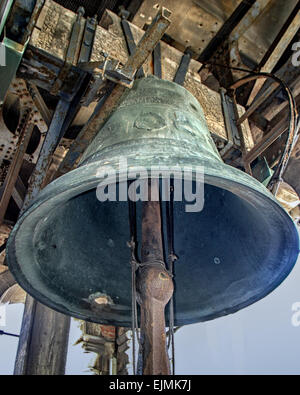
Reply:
x=84, y=179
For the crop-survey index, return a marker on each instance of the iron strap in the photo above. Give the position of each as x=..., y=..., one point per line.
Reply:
x=183, y=68
x=88, y=40
x=157, y=71
x=131, y=46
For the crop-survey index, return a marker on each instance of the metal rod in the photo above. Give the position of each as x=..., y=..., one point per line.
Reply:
x=157, y=71
x=265, y=142
x=51, y=141
x=40, y=103
x=148, y=42
x=272, y=88
x=131, y=46
x=155, y=289
x=2, y=333
x=33, y=19
x=183, y=68
x=72, y=52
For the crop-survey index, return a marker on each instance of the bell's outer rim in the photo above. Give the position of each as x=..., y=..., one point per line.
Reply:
x=61, y=191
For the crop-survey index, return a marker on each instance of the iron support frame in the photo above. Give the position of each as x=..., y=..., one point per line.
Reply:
x=116, y=91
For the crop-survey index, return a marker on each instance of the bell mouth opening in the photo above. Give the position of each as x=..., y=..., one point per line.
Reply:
x=70, y=247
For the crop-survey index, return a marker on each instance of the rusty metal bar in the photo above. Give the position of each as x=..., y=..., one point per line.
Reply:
x=72, y=53
x=272, y=88
x=33, y=19
x=16, y=165
x=282, y=40
x=227, y=38
x=157, y=69
x=228, y=124
x=51, y=141
x=131, y=46
x=88, y=40
x=90, y=130
x=266, y=141
x=144, y=48
x=147, y=43
x=154, y=287
x=39, y=103
x=183, y=68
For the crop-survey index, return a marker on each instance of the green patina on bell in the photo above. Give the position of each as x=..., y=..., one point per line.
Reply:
x=69, y=250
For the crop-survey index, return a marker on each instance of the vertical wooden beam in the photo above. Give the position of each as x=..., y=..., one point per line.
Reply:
x=43, y=341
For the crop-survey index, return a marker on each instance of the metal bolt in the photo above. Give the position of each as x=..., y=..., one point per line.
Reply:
x=80, y=12
x=217, y=261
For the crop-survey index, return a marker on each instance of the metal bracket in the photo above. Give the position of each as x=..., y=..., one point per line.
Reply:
x=119, y=77
x=233, y=134
x=125, y=76
x=131, y=46
x=99, y=72
x=88, y=39
x=157, y=61
x=183, y=67
x=27, y=100
x=107, y=70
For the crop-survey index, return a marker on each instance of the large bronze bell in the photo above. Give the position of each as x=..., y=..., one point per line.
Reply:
x=69, y=251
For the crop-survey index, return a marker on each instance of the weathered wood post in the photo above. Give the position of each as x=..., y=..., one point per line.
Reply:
x=43, y=343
